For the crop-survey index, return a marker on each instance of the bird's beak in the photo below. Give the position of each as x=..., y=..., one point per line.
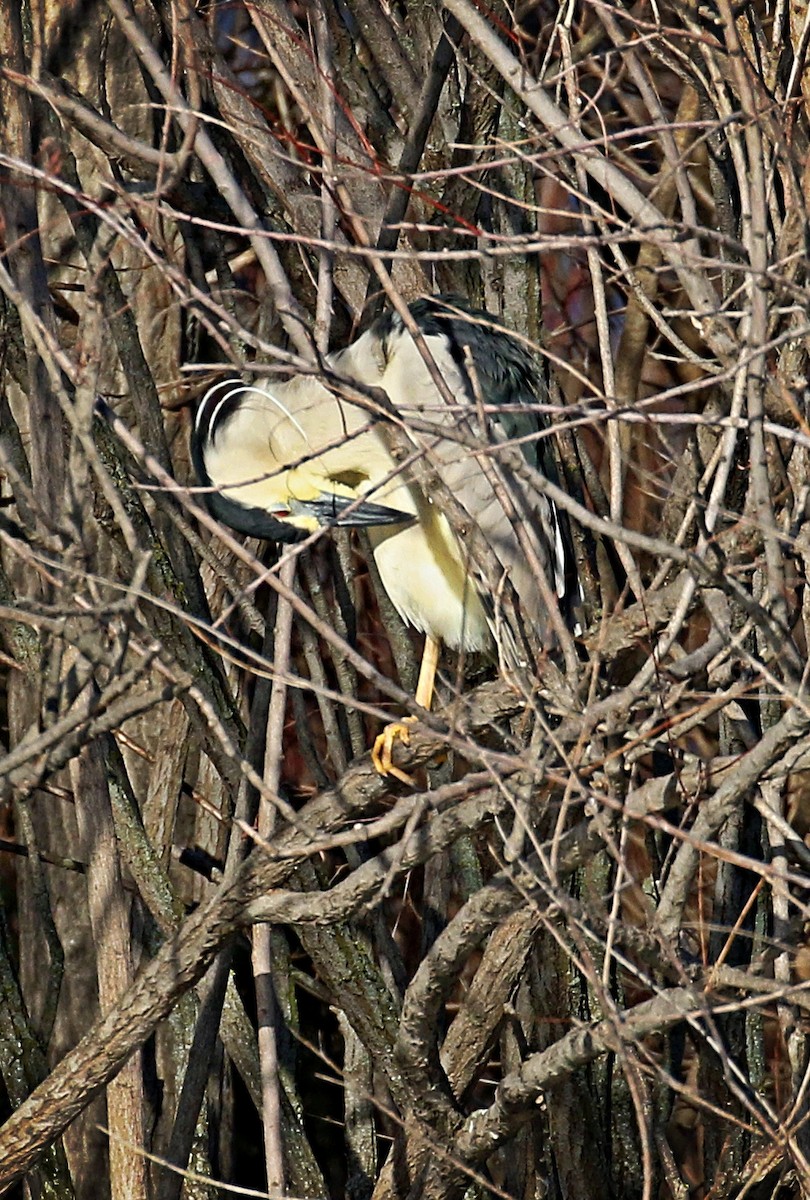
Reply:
x=330, y=509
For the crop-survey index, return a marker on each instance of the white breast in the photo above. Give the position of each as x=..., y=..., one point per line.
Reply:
x=422, y=571
x=422, y=566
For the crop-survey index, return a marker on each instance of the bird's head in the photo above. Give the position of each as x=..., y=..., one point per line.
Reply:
x=283, y=464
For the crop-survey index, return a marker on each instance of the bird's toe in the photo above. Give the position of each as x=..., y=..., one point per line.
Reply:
x=383, y=749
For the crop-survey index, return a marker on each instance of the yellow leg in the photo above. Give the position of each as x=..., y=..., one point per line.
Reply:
x=426, y=682
x=399, y=731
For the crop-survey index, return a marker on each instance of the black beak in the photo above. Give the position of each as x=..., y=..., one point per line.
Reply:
x=330, y=509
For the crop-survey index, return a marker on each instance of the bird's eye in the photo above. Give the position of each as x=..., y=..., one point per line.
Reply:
x=350, y=479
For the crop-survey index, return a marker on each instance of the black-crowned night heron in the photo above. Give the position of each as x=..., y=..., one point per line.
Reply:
x=289, y=457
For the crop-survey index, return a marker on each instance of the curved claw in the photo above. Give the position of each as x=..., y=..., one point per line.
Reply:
x=383, y=749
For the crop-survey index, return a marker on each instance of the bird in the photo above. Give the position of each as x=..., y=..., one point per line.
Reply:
x=280, y=459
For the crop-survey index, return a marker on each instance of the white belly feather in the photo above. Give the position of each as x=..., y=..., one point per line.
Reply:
x=424, y=577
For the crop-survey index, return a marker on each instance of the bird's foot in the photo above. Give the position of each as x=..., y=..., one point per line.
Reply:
x=383, y=749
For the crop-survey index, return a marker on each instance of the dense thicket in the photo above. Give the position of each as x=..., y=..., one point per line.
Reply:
x=570, y=961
